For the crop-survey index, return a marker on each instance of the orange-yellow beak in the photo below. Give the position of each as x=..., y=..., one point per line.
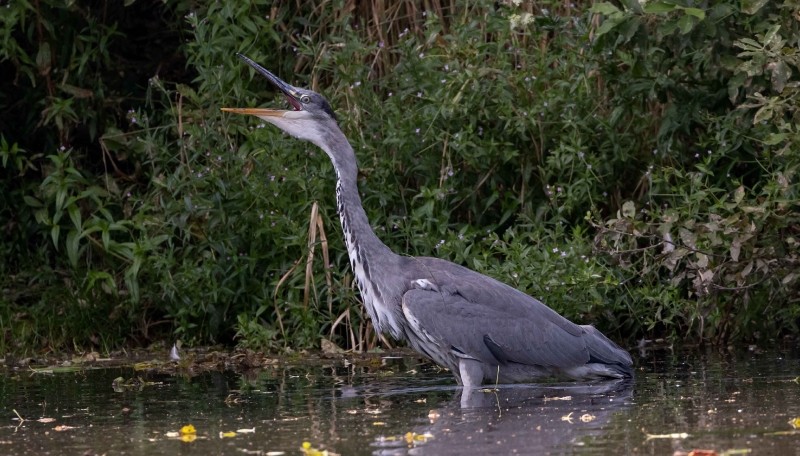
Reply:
x=285, y=88
x=258, y=112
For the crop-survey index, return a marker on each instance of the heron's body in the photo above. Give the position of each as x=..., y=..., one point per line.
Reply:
x=478, y=327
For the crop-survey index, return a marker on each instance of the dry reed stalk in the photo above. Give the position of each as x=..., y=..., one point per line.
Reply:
x=275, y=294
x=336, y=323
x=323, y=240
x=312, y=236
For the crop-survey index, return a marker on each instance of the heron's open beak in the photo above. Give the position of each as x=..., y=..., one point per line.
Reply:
x=287, y=90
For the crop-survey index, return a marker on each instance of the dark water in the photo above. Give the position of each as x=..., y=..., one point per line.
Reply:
x=740, y=401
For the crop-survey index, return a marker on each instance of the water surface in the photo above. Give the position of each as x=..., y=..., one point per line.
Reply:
x=678, y=402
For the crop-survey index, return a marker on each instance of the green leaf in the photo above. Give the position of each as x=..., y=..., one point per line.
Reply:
x=696, y=12
x=686, y=24
x=31, y=201
x=44, y=58
x=629, y=209
x=775, y=138
x=607, y=26
x=73, y=243
x=765, y=113
x=61, y=195
x=780, y=74
x=668, y=28
x=752, y=6
x=658, y=7
x=75, y=215
x=738, y=195
x=771, y=34
x=616, y=114
x=54, y=232
x=604, y=8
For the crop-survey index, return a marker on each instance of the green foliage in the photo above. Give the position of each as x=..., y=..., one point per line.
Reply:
x=485, y=134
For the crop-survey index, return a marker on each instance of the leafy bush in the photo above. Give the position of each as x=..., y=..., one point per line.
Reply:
x=630, y=165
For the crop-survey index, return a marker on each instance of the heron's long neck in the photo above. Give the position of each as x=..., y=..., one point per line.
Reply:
x=369, y=256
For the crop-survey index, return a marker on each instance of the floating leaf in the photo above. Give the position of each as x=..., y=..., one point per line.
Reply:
x=188, y=429
x=223, y=435
x=246, y=431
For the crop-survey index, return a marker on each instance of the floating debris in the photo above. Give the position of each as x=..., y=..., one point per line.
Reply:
x=681, y=435
x=64, y=428
x=223, y=435
x=565, y=398
x=246, y=431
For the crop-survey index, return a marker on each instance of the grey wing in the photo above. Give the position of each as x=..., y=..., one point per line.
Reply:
x=506, y=325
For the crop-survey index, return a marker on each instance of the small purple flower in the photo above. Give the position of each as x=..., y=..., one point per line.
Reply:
x=444, y=80
x=419, y=94
x=514, y=275
x=421, y=55
x=555, y=250
x=380, y=44
x=580, y=154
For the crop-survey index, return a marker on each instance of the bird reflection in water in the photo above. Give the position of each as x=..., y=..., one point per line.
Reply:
x=516, y=419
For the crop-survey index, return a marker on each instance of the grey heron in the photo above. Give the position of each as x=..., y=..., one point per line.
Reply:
x=479, y=328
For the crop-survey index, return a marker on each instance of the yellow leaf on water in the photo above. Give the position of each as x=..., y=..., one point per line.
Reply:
x=227, y=434
x=379, y=423
x=306, y=445
x=795, y=423
x=188, y=437
x=188, y=429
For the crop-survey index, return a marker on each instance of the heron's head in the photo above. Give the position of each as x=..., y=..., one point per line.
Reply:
x=310, y=117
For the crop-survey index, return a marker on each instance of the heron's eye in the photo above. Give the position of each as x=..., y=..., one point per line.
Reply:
x=305, y=99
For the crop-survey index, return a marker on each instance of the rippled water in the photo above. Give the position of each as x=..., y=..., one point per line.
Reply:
x=677, y=403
